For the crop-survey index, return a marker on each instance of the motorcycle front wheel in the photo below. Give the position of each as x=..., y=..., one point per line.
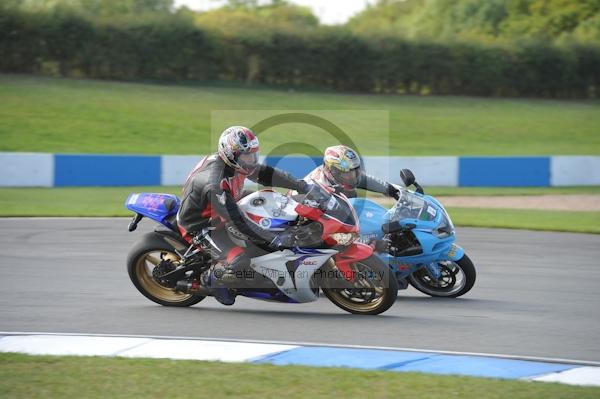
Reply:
x=375, y=288
x=457, y=278
x=147, y=255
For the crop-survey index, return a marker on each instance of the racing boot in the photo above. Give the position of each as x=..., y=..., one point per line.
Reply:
x=213, y=280
x=223, y=279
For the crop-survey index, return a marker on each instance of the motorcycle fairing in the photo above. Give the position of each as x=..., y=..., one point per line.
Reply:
x=435, y=249
x=267, y=296
x=269, y=209
x=355, y=252
x=268, y=223
x=455, y=253
x=371, y=215
x=293, y=282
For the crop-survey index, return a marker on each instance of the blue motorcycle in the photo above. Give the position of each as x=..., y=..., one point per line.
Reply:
x=416, y=239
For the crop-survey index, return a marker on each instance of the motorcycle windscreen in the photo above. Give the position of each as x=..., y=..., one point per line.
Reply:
x=156, y=206
x=412, y=206
x=342, y=211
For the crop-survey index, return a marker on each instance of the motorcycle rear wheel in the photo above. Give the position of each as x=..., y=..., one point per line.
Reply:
x=448, y=286
x=147, y=254
x=375, y=295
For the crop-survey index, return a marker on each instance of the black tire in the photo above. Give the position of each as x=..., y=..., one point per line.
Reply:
x=137, y=260
x=343, y=299
x=421, y=281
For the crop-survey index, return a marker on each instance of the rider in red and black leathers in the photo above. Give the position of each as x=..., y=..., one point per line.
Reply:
x=209, y=210
x=210, y=197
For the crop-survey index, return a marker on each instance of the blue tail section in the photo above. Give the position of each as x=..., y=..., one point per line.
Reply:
x=155, y=206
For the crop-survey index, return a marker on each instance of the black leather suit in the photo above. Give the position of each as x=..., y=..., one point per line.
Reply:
x=209, y=200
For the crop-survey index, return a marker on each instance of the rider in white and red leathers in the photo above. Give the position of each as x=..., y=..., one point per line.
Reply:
x=342, y=170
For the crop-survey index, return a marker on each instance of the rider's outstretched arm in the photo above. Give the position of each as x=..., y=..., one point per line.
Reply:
x=272, y=177
x=371, y=183
x=226, y=207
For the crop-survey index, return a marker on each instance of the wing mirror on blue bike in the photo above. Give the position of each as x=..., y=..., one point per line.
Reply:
x=408, y=178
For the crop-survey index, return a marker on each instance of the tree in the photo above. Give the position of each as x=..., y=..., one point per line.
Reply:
x=101, y=7
x=245, y=15
x=476, y=20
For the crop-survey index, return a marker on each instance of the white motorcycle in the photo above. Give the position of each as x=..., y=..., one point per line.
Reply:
x=166, y=269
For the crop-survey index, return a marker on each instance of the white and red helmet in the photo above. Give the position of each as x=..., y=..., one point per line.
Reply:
x=341, y=165
x=238, y=148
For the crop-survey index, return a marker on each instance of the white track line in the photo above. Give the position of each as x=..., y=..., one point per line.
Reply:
x=71, y=345
x=224, y=350
x=305, y=343
x=577, y=376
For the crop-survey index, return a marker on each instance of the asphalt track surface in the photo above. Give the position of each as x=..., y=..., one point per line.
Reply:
x=537, y=294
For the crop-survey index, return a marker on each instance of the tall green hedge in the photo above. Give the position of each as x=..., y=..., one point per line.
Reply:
x=171, y=48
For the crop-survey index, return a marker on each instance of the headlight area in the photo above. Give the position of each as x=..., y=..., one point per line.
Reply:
x=344, y=238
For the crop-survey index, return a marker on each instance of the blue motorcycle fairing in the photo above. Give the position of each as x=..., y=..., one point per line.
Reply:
x=371, y=216
x=455, y=253
x=156, y=206
x=435, y=249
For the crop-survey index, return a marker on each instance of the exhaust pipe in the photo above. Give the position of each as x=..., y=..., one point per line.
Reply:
x=187, y=287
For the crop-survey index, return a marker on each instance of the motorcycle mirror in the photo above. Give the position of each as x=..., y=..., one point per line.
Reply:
x=407, y=177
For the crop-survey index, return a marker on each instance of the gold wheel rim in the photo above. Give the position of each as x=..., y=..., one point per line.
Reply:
x=341, y=295
x=143, y=271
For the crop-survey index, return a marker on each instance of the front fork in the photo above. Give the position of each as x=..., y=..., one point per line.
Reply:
x=454, y=253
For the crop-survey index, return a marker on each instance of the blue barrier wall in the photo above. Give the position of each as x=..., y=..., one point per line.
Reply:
x=504, y=171
x=106, y=170
x=48, y=170
x=297, y=166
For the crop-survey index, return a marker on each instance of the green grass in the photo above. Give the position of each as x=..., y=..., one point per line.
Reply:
x=576, y=222
x=23, y=376
x=80, y=201
x=503, y=191
x=83, y=116
x=108, y=201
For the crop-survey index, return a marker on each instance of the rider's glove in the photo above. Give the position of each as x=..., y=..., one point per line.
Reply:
x=304, y=186
x=393, y=192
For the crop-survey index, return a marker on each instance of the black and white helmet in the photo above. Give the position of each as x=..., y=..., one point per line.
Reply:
x=238, y=148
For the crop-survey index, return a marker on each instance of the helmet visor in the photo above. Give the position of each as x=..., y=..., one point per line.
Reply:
x=349, y=178
x=248, y=161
